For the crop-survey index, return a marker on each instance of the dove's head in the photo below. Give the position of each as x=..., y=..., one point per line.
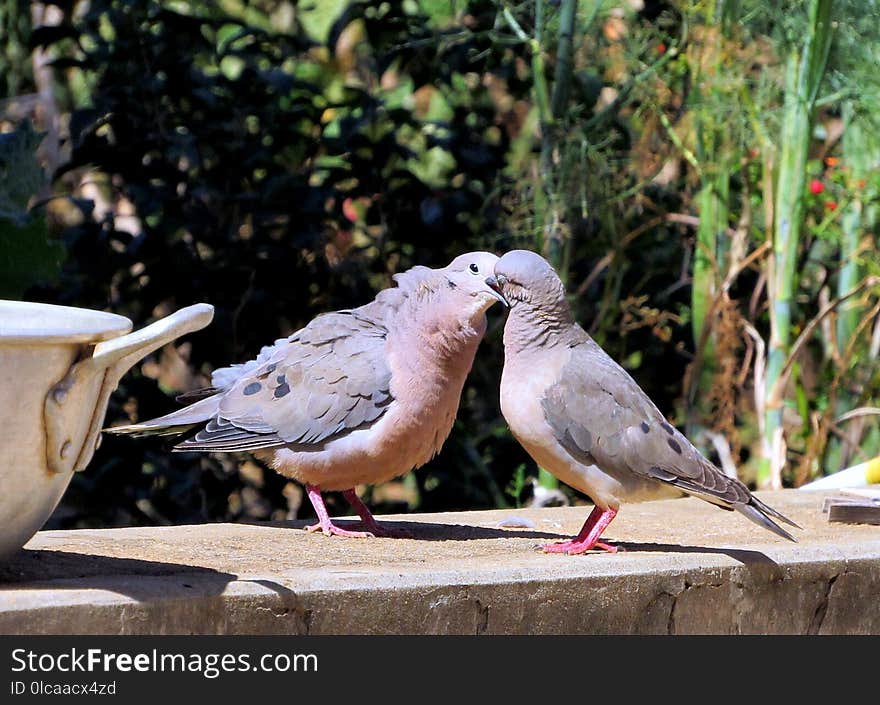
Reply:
x=528, y=281
x=539, y=311
x=467, y=278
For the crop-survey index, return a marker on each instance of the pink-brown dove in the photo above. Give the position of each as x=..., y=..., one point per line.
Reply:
x=583, y=418
x=357, y=396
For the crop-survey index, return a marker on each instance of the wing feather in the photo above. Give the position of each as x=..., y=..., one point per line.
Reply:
x=326, y=380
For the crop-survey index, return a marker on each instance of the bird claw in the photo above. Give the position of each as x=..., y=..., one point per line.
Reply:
x=574, y=548
x=333, y=530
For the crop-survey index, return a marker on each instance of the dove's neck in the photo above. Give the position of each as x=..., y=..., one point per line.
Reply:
x=449, y=336
x=537, y=328
x=441, y=333
x=440, y=325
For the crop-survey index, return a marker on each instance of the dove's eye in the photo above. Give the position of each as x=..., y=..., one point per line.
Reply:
x=474, y=269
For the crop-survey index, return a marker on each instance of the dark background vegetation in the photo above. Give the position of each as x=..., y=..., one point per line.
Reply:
x=278, y=159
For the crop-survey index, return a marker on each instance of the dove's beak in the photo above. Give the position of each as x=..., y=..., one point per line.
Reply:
x=495, y=285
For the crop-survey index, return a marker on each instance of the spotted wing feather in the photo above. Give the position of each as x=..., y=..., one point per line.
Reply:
x=326, y=380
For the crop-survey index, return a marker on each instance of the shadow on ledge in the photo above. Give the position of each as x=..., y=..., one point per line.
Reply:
x=744, y=556
x=422, y=530
x=44, y=569
x=427, y=531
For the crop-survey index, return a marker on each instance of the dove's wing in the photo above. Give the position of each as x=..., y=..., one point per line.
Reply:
x=601, y=416
x=326, y=380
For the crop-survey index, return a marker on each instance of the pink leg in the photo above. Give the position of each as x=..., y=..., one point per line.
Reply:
x=324, y=525
x=588, y=538
x=369, y=520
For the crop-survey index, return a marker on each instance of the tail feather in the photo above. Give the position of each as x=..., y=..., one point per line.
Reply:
x=755, y=511
x=767, y=509
x=174, y=423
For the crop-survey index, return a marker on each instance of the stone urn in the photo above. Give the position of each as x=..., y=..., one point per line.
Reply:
x=58, y=367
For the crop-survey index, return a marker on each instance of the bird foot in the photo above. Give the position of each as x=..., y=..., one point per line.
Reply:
x=330, y=529
x=574, y=547
x=369, y=521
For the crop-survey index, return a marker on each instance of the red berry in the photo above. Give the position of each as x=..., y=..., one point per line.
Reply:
x=661, y=48
x=816, y=186
x=349, y=210
x=831, y=205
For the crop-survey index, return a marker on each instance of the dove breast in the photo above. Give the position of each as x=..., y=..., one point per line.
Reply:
x=523, y=382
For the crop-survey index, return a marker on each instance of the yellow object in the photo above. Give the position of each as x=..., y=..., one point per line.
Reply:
x=872, y=471
x=859, y=475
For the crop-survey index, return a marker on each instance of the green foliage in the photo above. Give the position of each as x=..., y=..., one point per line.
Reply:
x=517, y=485
x=15, y=25
x=27, y=255
x=280, y=158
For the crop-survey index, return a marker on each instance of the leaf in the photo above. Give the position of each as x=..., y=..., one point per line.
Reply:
x=27, y=256
x=440, y=12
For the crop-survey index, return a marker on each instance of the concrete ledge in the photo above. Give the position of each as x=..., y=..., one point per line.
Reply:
x=687, y=568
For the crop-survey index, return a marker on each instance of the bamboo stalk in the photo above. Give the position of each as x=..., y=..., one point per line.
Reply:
x=564, y=53
x=861, y=152
x=709, y=253
x=712, y=244
x=805, y=66
x=851, y=227
x=703, y=288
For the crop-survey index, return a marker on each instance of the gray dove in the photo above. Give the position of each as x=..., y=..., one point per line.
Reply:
x=356, y=396
x=583, y=418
